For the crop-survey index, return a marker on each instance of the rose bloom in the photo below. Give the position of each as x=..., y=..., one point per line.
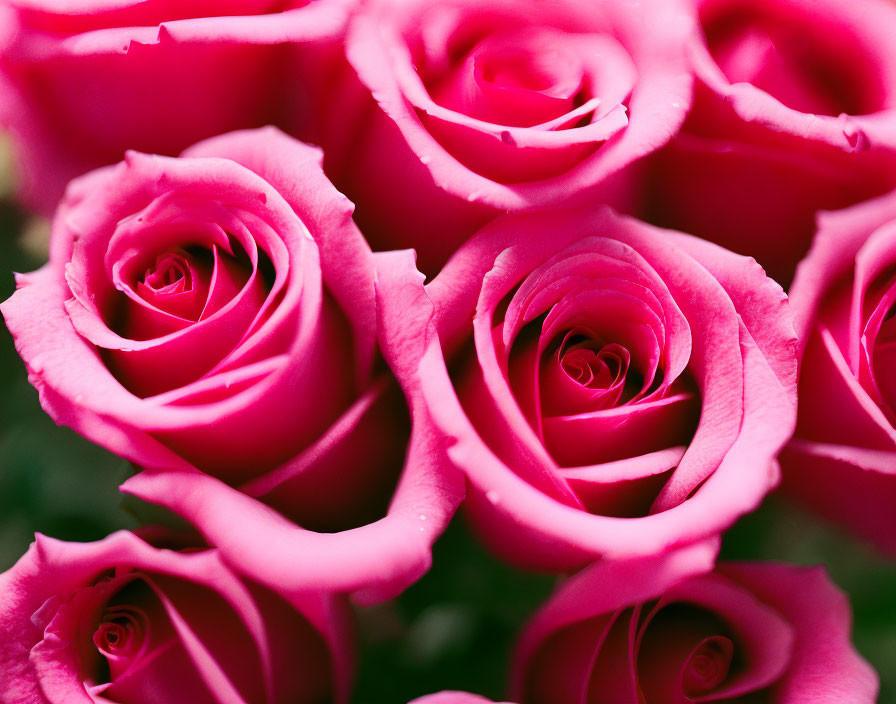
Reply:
x=218, y=312
x=486, y=107
x=650, y=631
x=122, y=622
x=81, y=82
x=795, y=110
x=622, y=388
x=842, y=461
x=450, y=697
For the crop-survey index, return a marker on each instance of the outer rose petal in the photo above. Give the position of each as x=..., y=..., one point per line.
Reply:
x=841, y=234
x=139, y=96
x=824, y=665
x=449, y=697
x=52, y=570
x=855, y=488
x=431, y=200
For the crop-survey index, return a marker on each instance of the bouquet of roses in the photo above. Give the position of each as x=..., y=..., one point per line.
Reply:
x=324, y=272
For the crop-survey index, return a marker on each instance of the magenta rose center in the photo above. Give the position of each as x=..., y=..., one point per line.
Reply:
x=121, y=633
x=686, y=652
x=178, y=295
x=166, y=639
x=598, y=370
x=177, y=283
x=518, y=78
x=708, y=665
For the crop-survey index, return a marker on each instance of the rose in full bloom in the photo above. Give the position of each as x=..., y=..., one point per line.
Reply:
x=795, y=110
x=842, y=461
x=622, y=388
x=486, y=107
x=123, y=622
x=217, y=312
x=650, y=631
x=81, y=82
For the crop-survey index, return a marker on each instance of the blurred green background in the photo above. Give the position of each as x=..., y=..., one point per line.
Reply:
x=454, y=629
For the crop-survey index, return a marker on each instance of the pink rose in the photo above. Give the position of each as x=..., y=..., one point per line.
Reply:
x=622, y=388
x=842, y=462
x=122, y=622
x=795, y=110
x=648, y=631
x=81, y=82
x=486, y=107
x=452, y=698
x=218, y=312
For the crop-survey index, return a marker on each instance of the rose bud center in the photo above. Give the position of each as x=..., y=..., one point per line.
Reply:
x=121, y=636
x=708, y=666
x=177, y=282
x=519, y=78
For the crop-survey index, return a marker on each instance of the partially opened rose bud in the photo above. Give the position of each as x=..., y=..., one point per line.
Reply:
x=662, y=631
x=81, y=83
x=122, y=622
x=217, y=312
x=794, y=111
x=842, y=460
x=488, y=107
x=622, y=389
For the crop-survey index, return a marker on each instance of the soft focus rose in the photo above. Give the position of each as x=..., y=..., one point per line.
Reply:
x=484, y=107
x=795, y=110
x=450, y=697
x=218, y=312
x=121, y=622
x=842, y=461
x=648, y=631
x=81, y=82
x=622, y=388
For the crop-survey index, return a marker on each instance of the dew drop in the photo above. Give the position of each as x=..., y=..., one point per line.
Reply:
x=493, y=497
